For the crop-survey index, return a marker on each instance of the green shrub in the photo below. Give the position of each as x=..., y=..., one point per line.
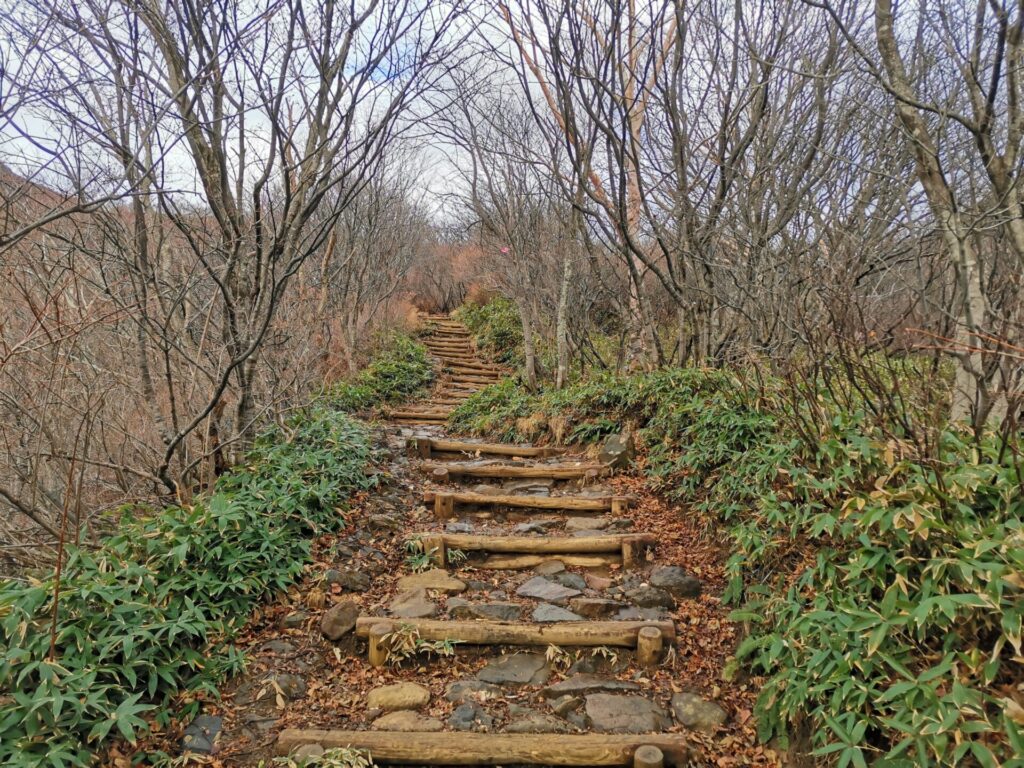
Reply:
x=496, y=328
x=152, y=611
x=399, y=370
x=882, y=587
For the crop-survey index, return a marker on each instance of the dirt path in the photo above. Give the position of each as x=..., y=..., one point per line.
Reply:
x=497, y=605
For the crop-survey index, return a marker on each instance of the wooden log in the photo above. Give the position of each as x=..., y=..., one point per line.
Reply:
x=378, y=652
x=610, y=543
x=431, y=748
x=619, y=505
x=497, y=449
x=418, y=446
x=649, y=644
x=648, y=756
x=444, y=506
x=440, y=476
x=520, y=562
x=576, y=503
x=554, y=471
x=568, y=633
x=630, y=554
x=439, y=414
x=434, y=546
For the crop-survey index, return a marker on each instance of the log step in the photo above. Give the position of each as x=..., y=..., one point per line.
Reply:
x=430, y=748
x=426, y=446
x=626, y=549
x=648, y=637
x=616, y=504
x=553, y=471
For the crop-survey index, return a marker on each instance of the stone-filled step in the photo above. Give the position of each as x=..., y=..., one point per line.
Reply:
x=444, y=502
x=624, y=549
x=425, y=447
x=508, y=471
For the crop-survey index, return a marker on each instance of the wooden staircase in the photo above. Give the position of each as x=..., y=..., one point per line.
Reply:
x=450, y=466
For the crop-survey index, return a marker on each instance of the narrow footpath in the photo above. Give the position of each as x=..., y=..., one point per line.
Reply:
x=496, y=605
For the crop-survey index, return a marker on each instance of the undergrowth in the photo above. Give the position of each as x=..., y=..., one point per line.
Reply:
x=400, y=369
x=496, y=329
x=877, y=565
x=151, y=613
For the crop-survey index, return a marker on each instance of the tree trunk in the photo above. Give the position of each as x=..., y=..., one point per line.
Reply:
x=529, y=350
x=562, y=324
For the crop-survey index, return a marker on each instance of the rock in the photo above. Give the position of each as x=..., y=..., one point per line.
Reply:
x=542, y=589
x=487, y=611
x=406, y=720
x=594, y=607
x=516, y=669
x=597, y=582
x=413, y=604
x=382, y=523
x=470, y=717
x=676, y=581
x=546, y=612
x=471, y=690
x=620, y=524
x=629, y=613
x=597, y=491
x=291, y=686
x=353, y=581
x=308, y=753
x=294, y=620
x=526, y=720
x=610, y=713
x=398, y=696
x=549, y=568
x=201, y=735
x=580, y=685
x=529, y=528
x=651, y=597
x=458, y=528
x=339, y=619
x=584, y=666
x=278, y=648
x=570, y=580
x=436, y=580
x=696, y=713
x=618, y=450
x=563, y=705
x=486, y=490
x=474, y=585
x=533, y=487
x=585, y=523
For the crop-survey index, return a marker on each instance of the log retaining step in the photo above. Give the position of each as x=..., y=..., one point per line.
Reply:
x=425, y=447
x=444, y=502
x=431, y=748
x=611, y=549
x=553, y=471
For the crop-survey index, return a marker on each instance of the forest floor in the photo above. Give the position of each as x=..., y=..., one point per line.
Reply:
x=297, y=678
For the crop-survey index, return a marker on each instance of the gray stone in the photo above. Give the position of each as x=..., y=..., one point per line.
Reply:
x=543, y=589
x=598, y=582
x=294, y=620
x=610, y=713
x=517, y=669
x=588, y=533
x=597, y=491
x=486, y=490
x=458, y=528
x=487, y=611
x=436, y=580
x=580, y=685
x=475, y=585
x=540, y=486
x=650, y=597
x=278, y=648
x=308, y=753
x=339, y=619
x=585, y=523
x=549, y=568
x=526, y=720
x=618, y=450
x=529, y=528
x=696, y=713
x=290, y=686
x=470, y=716
x=398, y=696
x=408, y=721
x=201, y=735
x=563, y=705
x=620, y=524
x=584, y=666
x=413, y=604
x=676, y=581
x=570, y=580
x=382, y=523
x=471, y=690
x=594, y=607
x=546, y=612
x=353, y=581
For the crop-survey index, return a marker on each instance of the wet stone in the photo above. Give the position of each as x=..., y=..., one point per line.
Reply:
x=201, y=735
x=470, y=716
x=516, y=669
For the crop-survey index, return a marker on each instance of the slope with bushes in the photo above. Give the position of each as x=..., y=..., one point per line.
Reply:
x=105, y=648
x=879, y=577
